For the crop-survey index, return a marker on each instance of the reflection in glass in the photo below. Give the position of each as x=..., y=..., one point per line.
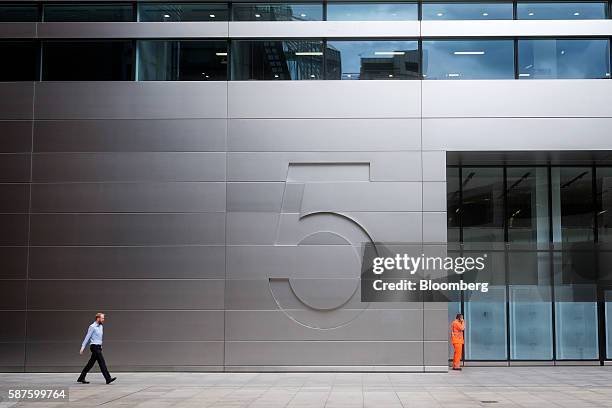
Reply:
x=91, y=12
x=572, y=204
x=483, y=204
x=277, y=60
x=453, y=204
x=561, y=10
x=530, y=322
x=576, y=322
x=564, y=58
x=604, y=203
x=372, y=60
x=468, y=59
x=485, y=329
x=277, y=12
x=608, y=299
x=182, y=60
x=87, y=61
x=182, y=12
x=527, y=190
x=467, y=11
x=18, y=12
x=372, y=11
x=19, y=61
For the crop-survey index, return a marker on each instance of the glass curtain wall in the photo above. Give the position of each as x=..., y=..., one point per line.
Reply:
x=540, y=305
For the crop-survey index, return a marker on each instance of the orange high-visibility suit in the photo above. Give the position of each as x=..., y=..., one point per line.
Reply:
x=456, y=336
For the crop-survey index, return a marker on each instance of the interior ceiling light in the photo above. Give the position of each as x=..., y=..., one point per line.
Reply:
x=221, y=54
x=302, y=53
x=389, y=53
x=469, y=52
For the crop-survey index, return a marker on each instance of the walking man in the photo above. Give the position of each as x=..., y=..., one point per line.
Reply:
x=457, y=328
x=94, y=338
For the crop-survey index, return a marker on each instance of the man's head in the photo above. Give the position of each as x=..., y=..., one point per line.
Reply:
x=459, y=316
x=100, y=318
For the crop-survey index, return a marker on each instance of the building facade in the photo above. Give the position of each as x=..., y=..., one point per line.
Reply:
x=205, y=173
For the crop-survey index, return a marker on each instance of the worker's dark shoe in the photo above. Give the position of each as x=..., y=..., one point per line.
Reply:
x=456, y=369
x=111, y=380
x=82, y=381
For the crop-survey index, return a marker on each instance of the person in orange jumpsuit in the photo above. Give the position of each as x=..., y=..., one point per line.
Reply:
x=457, y=328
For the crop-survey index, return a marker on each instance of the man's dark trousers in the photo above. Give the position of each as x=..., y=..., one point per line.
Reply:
x=96, y=355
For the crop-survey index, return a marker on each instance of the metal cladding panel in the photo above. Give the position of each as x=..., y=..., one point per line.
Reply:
x=571, y=98
x=16, y=99
x=130, y=100
x=15, y=136
x=127, y=135
x=184, y=29
x=125, y=262
x=323, y=135
x=158, y=325
x=324, y=99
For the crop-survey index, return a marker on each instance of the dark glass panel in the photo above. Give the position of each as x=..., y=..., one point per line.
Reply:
x=277, y=12
x=483, y=204
x=182, y=12
x=18, y=12
x=277, y=60
x=572, y=204
x=182, y=60
x=528, y=204
x=87, y=61
x=19, y=61
x=91, y=12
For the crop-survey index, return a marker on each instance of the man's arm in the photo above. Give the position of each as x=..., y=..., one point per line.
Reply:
x=87, y=337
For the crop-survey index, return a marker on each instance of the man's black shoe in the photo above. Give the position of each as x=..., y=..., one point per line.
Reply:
x=82, y=381
x=111, y=380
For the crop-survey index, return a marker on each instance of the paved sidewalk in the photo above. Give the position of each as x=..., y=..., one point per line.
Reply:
x=538, y=387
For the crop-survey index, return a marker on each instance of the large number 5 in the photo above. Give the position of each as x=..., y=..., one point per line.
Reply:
x=323, y=297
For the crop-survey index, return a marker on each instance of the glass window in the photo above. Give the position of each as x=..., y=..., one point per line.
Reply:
x=453, y=204
x=564, y=58
x=182, y=60
x=485, y=315
x=182, y=12
x=530, y=322
x=19, y=61
x=604, y=203
x=608, y=299
x=467, y=11
x=572, y=204
x=87, y=61
x=483, y=204
x=372, y=11
x=277, y=60
x=88, y=12
x=277, y=12
x=527, y=190
x=561, y=10
x=469, y=59
x=372, y=60
x=18, y=12
x=576, y=322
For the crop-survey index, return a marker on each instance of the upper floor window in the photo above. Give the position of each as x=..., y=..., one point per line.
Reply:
x=563, y=58
x=372, y=59
x=372, y=11
x=182, y=12
x=468, y=59
x=583, y=10
x=277, y=60
x=277, y=12
x=189, y=60
x=87, y=60
x=88, y=12
x=18, y=12
x=467, y=11
x=19, y=61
